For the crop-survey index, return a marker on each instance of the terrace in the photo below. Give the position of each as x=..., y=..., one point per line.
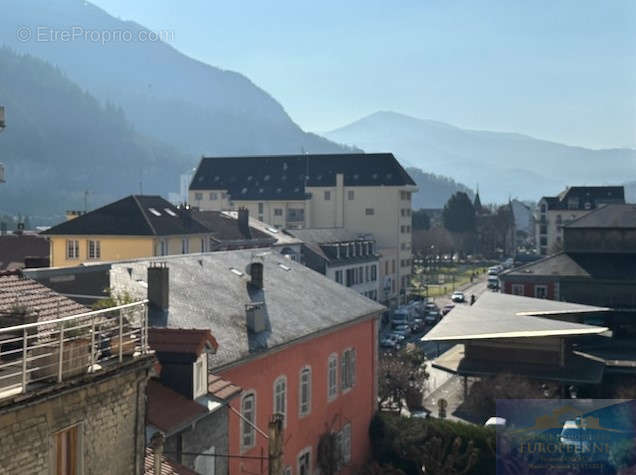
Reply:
x=44, y=354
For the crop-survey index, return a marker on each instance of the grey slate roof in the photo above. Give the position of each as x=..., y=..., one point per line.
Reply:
x=205, y=293
x=281, y=236
x=283, y=176
x=324, y=235
x=132, y=216
x=586, y=265
x=594, y=195
x=612, y=216
x=510, y=316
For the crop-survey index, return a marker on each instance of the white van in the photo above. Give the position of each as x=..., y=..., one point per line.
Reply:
x=493, y=282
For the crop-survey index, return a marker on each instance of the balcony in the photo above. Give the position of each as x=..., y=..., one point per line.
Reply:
x=45, y=353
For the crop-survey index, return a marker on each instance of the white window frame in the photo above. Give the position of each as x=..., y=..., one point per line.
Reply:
x=281, y=379
x=243, y=424
x=301, y=454
x=185, y=245
x=332, y=367
x=351, y=195
x=199, y=378
x=302, y=412
x=346, y=443
x=198, y=196
x=287, y=470
x=93, y=249
x=72, y=249
x=327, y=195
x=348, y=369
x=163, y=247
x=213, y=196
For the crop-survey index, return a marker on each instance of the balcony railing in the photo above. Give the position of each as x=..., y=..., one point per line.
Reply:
x=49, y=352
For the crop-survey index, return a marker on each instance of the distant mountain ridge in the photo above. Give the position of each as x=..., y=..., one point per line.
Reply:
x=503, y=164
x=197, y=108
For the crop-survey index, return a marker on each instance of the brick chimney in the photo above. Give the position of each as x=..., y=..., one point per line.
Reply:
x=243, y=222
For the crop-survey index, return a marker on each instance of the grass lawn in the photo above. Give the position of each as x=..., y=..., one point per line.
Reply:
x=445, y=275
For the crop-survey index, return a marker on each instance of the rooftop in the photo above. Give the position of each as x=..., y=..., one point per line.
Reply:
x=613, y=266
x=327, y=235
x=282, y=237
x=169, y=411
x=586, y=197
x=225, y=227
x=14, y=248
x=211, y=291
x=134, y=215
x=17, y=291
x=612, y=216
x=284, y=176
x=181, y=340
x=496, y=315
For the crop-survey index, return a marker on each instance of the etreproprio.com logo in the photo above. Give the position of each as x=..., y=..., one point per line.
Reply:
x=47, y=34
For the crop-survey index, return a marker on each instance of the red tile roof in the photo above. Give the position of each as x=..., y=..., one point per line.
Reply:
x=168, y=467
x=180, y=340
x=221, y=389
x=47, y=304
x=168, y=410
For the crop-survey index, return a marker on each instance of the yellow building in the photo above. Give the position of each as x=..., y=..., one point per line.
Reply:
x=362, y=193
x=135, y=226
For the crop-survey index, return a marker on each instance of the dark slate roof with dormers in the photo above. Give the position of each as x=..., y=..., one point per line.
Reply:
x=134, y=215
x=283, y=176
x=589, y=197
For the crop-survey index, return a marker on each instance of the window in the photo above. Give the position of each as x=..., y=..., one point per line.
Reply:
x=278, y=211
x=543, y=208
x=559, y=219
x=200, y=376
x=517, y=289
x=67, y=451
x=350, y=277
x=295, y=215
x=393, y=266
x=248, y=411
x=213, y=195
x=346, y=444
x=327, y=195
x=287, y=471
x=280, y=397
x=369, y=211
x=543, y=241
x=386, y=267
x=332, y=376
x=304, y=462
x=305, y=392
x=366, y=273
x=198, y=196
x=185, y=246
x=163, y=247
x=350, y=195
x=543, y=229
x=541, y=291
x=203, y=244
x=94, y=249
x=339, y=276
x=374, y=273
x=261, y=207
x=72, y=249
x=348, y=369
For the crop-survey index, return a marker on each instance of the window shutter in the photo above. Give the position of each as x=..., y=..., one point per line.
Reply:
x=353, y=367
x=343, y=372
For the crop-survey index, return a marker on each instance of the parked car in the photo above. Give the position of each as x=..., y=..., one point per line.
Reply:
x=390, y=341
x=496, y=423
x=508, y=263
x=447, y=308
x=404, y=330
x=493, y=282
x=430, y=306
x=493, y=270
x=417, y=325
x=458, y=297
x=432, y=317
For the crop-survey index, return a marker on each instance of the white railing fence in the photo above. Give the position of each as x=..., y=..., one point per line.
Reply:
x=52, y=351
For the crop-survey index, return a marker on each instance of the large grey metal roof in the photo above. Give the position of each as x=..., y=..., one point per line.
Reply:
x=497, y=315
x=206, y=293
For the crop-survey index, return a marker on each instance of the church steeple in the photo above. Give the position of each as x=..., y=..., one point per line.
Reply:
x=477, y=202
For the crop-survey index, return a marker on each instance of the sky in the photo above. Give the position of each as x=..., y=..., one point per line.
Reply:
x=561, y=70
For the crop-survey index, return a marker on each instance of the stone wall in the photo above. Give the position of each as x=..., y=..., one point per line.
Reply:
x=110, y=411
x=211, y=431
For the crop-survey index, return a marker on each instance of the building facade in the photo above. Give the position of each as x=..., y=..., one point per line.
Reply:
x=362, y=193
x=555, y=212
x=349, y=259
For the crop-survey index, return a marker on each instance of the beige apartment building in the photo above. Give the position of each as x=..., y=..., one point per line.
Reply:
x=362, y=193
x=554, y=212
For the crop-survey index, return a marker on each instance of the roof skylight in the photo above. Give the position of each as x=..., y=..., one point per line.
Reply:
x=170, y=212
x=154, y=211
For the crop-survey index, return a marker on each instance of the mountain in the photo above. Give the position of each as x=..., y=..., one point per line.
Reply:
x=434, y=190
x=197, y=108
x=503, y=164
x=60, y=141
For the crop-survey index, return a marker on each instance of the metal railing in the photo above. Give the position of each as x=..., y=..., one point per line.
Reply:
x=48, y=352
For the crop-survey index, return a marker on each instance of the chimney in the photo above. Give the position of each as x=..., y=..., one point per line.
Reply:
x=72, y=214
x=243, y=222
x=158, y=288
x=256, y=274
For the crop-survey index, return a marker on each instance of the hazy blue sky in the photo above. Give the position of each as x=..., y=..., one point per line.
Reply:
x=555, y=69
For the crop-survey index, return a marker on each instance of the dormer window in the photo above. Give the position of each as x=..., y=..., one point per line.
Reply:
x=200, y=376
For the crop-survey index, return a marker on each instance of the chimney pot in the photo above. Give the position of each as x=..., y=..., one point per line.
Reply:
x=158, y=287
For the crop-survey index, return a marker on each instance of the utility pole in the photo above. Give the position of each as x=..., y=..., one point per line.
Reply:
x=275, y=453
